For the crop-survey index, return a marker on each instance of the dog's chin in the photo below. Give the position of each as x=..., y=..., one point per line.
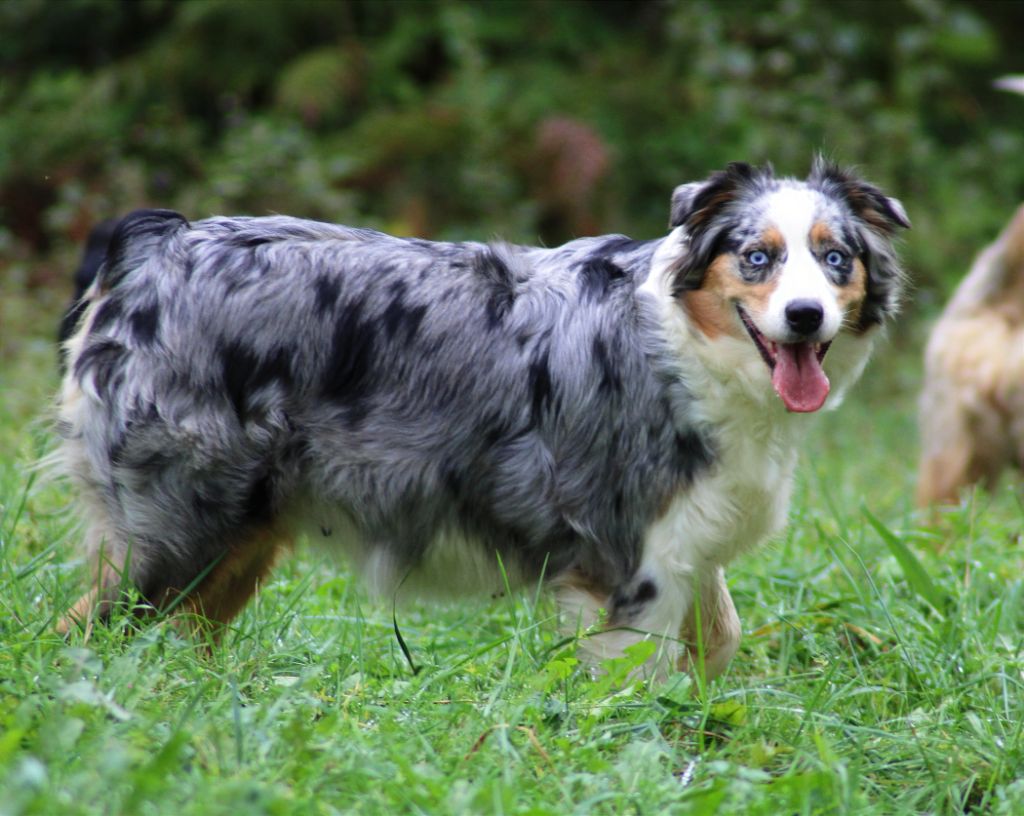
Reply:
x=796, y=368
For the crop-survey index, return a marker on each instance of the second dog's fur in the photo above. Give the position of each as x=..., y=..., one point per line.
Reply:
x=972, y=405
x=620, y=417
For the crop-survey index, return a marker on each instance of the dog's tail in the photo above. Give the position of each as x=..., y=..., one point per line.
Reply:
x=135, y=238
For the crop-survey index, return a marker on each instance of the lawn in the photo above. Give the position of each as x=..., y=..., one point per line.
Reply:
x=880, y=670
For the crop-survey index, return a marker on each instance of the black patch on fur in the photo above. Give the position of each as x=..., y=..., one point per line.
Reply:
x=348, y=376
x=109, y=311
x=401, y=318
x=541, y=390
x=503, y=293
x=141, y=226
x=92, y=259
x=145, y=323
x=245, y=372
x=646, y=591
x=249, y=241
x=625, y=603
x=259, y=503
x=105, y=358
x=597, y=277
x=610, y=379
x=326, y=292
x=694, y=453
x=495, y=428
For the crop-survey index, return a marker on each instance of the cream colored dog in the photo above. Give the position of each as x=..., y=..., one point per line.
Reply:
x=972, y=406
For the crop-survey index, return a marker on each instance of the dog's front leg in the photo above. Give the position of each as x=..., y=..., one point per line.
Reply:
x=710, y=633
x=644, y=609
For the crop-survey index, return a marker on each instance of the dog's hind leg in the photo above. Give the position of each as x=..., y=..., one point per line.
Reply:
x=228, y=585
x=109, y=568
x=98, y=602
x=960, y=449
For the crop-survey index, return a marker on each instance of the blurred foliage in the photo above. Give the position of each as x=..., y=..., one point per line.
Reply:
x=535, y=120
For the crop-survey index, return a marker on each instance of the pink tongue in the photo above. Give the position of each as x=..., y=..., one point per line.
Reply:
x=798, y=377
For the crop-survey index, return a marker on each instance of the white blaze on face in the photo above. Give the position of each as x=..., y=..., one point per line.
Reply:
x=797, y=374
x=792, y=213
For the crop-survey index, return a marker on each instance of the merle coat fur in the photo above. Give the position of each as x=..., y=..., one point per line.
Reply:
x=406, y=401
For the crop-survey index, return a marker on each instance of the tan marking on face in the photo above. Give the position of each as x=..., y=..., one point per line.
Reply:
x=821, y=234
x=712, y=308
x=850, y=296
x=772, y=241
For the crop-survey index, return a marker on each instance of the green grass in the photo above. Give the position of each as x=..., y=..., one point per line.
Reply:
x=880, y=671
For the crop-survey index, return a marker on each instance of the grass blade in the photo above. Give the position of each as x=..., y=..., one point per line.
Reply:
x=915, y=573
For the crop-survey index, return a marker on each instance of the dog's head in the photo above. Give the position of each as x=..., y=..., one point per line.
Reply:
x=787, y=265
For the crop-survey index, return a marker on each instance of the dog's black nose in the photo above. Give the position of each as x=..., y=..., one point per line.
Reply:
x=804, y=316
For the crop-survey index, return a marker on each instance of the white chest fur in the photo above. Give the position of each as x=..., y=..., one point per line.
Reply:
x=745, y=497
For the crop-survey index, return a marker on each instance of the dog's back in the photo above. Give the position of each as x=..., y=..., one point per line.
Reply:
x=972, y=405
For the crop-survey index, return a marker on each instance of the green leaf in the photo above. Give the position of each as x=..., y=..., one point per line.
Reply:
x=915, y=573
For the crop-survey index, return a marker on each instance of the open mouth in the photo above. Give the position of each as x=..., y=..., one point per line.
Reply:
x=797, y=375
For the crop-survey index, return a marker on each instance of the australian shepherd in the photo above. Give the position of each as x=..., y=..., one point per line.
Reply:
x=972, y=405
x=617, y=418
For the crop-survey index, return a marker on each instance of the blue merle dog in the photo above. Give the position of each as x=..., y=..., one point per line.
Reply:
x=617, y=417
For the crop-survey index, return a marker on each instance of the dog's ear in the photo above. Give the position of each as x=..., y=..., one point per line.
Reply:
x=701, y=208
x=880, y=218
x=682, y=202
x=695, y=203
x=867, y=202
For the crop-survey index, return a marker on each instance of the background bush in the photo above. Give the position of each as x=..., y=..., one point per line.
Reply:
x=533, y=120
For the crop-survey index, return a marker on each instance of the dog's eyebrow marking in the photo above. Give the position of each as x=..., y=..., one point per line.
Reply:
x=326, y=291
x=773, y=240
x=145, y=322
x=597, y=276
x=821, y=234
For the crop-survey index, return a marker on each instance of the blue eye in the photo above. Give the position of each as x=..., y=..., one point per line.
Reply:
x=758, y=258
x=835, y=258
